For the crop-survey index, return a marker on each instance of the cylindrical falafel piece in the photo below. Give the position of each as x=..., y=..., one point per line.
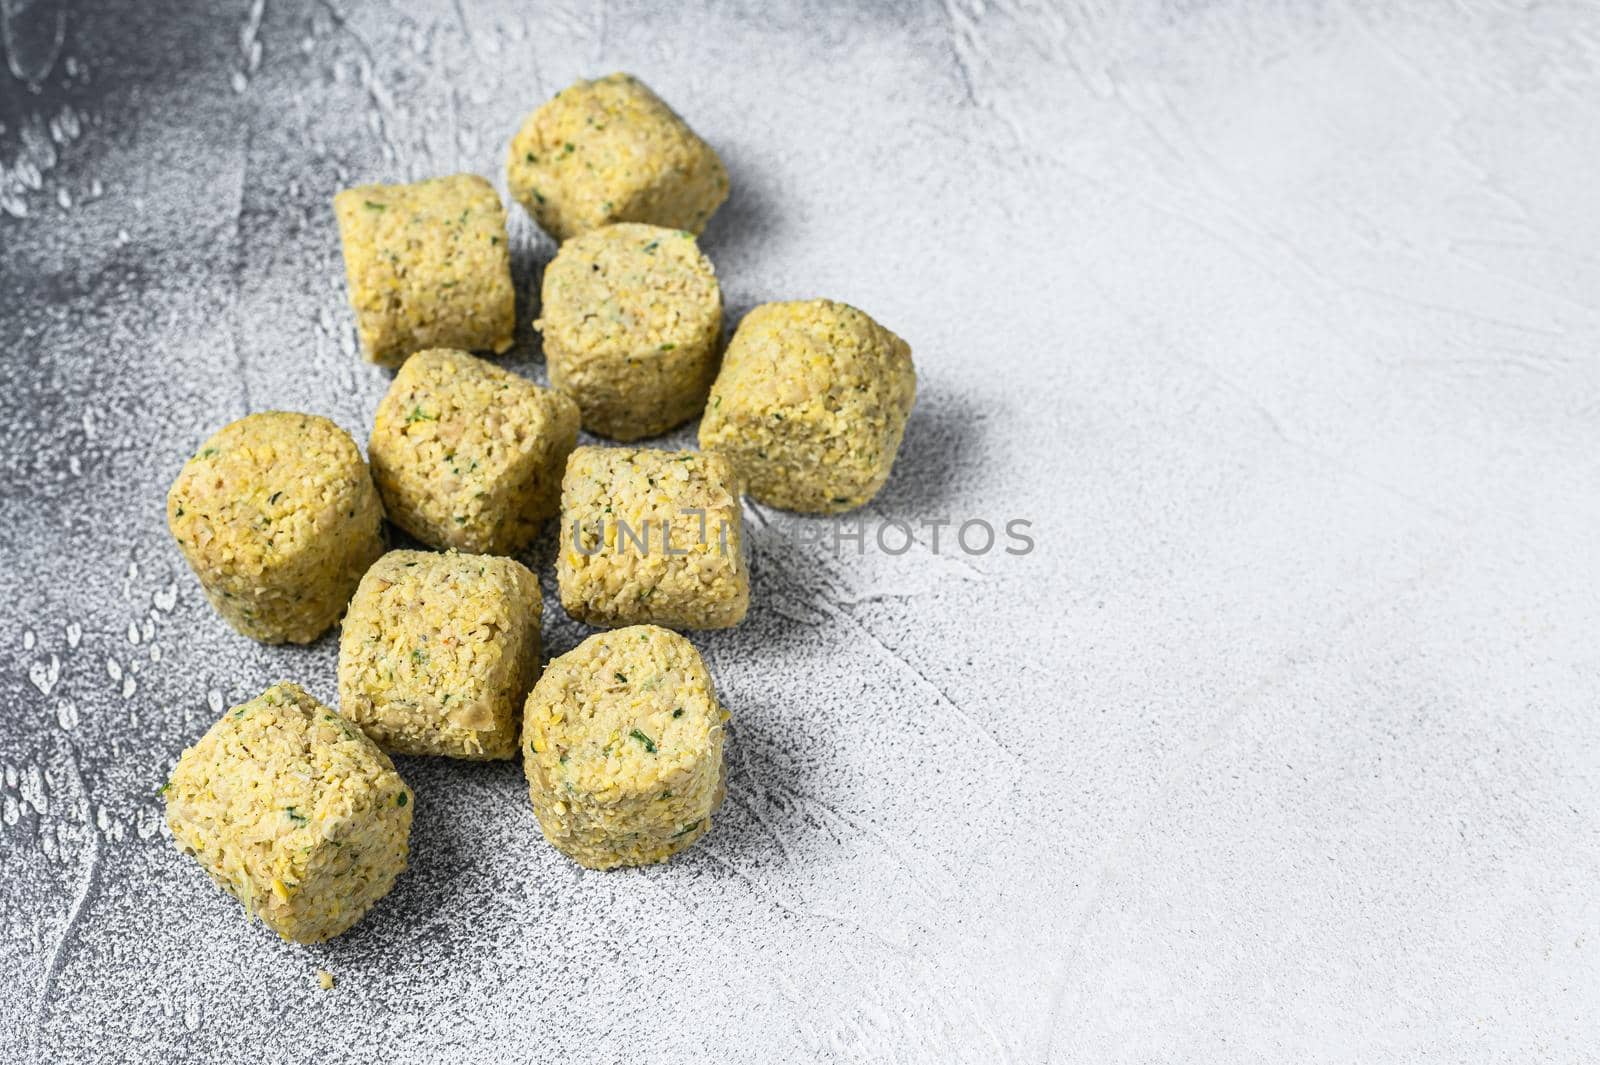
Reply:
x=631, y=317
x=278, y=517
x=811, y=403
x=622, y=744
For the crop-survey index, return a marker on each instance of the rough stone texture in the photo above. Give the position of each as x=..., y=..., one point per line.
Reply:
x=1279, y=323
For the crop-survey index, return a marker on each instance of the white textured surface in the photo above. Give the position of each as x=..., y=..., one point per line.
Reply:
x=1280, y=323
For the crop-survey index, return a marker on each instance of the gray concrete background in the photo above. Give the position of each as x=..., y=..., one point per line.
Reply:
x=1278, y=321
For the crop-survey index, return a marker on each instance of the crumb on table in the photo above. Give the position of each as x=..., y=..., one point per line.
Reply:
x=325, y=979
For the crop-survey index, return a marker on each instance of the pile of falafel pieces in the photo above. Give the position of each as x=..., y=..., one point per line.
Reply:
x=296, y=809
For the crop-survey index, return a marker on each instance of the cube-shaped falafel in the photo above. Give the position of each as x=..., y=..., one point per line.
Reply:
x=609, y=151
x=293, y=811
x=428, y=266
x=437, y=653
x=652, y=537
x=469, y=456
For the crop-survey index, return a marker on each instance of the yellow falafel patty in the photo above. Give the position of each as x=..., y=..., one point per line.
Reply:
x=652, y=537
x=622, y=744
x=470, y=456
x=611, y=151
x=631, y=315
x=811, y=403
x=293, y=811
x=428, y=265
x=437, y=653
x=278, y=517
